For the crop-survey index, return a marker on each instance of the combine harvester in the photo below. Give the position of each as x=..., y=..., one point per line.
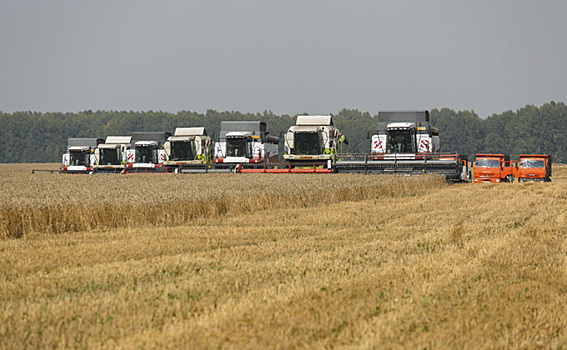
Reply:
x=188, y=151
x=146, y=153
x=310, y=145
x=80, y=156
x=110, y=156
x=405, y=143
x=244, y=145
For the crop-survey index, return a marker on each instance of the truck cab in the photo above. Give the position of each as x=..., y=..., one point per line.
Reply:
x=313, y=140
x=533, y=167
x=493, y=168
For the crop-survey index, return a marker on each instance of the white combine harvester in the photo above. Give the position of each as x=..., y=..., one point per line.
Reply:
x=244, y=144
x=80, y=157
x=404, y=134
x=110, y=157
x=311, y=146
x=189, y=150
x=313, y=141
x=405, y=143
x=146, y=152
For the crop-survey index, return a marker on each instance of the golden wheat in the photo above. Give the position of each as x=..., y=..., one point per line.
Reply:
x=418, y=265
x=53, y=203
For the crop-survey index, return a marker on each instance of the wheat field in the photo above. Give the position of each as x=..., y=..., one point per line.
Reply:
x=248, y=261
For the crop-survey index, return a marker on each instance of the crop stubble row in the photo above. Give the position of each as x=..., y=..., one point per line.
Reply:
x=434, y=266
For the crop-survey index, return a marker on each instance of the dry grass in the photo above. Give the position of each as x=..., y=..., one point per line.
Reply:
x=415, y=264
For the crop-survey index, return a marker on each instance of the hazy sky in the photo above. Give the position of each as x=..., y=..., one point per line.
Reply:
x=289, y=57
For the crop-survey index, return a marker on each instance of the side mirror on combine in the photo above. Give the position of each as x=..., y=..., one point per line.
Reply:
x=367, y=135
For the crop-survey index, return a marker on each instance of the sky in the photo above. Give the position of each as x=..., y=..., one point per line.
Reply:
x=288, y=57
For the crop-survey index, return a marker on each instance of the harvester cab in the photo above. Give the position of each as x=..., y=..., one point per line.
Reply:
x=405, y=132
x=245, y=142
x=313, y=140
x=401, y=138
x=188, y=146
x=239, y=145
x=80, y=157
x=111, y=155
x=146, y=152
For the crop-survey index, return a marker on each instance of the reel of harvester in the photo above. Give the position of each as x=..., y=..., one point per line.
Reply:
x=452, y=166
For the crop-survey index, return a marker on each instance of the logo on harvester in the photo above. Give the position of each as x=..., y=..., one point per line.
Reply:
x=378, y=144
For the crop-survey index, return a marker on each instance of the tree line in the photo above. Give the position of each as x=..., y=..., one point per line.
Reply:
x=34, y=137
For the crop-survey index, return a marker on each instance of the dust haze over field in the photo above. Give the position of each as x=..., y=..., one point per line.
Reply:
x=313, y=261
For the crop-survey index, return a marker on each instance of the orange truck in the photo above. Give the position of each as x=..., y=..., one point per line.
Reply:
x=494, y=168
x=533, y=167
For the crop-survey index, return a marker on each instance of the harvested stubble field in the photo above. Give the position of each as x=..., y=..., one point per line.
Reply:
x=280, y=261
